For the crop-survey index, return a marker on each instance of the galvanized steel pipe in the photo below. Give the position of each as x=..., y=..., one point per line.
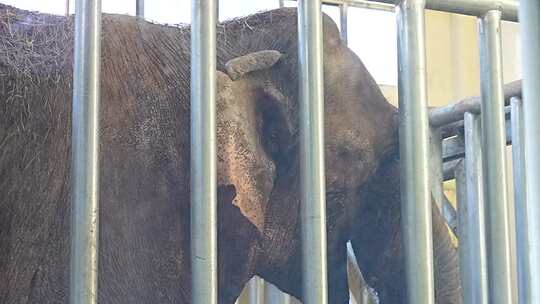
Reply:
x=453, y=112
x=343, y=20
x=85, y=153
x=509, y=8
x=501, y=268
x=365, y=4
x=414, y=152
x=471, y=216
x=530, y=35
x=139, y=8
x=203, y=153
x=436, y=167
x=518, y=166
x=312, y=169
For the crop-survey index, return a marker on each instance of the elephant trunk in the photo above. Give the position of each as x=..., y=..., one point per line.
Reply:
x=377, y=241
x=446, y=262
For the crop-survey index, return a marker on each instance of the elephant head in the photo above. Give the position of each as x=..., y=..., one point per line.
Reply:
x=258, y=134
x=258, y=140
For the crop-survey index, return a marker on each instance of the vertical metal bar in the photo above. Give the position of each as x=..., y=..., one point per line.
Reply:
x=529, y=15
x=518, y=158
x=203, y=153
x=343, y=19
x=500, y=266
x=281, y=3
x=414, y=152
x=313, y=190
x=256, y=291
x=471, y=216
x=139, y=8
x=85, y=153
x=67, y=8
x=436, y=167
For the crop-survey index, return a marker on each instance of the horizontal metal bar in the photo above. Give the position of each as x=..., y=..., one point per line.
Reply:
x=454, y=148
x=508, y=8
x=361, y=4
x=456, y=128
x=454, y=112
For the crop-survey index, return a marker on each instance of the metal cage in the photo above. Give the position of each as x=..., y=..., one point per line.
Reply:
x=485, y=241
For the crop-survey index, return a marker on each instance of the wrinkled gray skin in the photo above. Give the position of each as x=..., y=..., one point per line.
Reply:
x=145, y=136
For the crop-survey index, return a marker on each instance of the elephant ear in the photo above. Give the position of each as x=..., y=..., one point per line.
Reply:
x=260, y=60
x=250, y=126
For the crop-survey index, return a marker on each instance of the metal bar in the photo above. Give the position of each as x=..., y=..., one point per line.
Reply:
x=313, y=190
x=508, y=8
x=67, y=8
x=139, y=8
x=530, y=33
x=365, y=4
x=454, y=147
x=281, y=3
x=85, y=153
x=437, y=175
x=436, y=167
x=203, y=152
x=343, y=16
x=518, y=158
x=454, y=112
x=500, y=266
x=471, y=216
x=414, y=151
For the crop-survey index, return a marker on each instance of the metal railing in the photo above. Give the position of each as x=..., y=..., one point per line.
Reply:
x=485, y=242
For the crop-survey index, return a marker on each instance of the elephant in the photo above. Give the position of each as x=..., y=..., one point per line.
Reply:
x=144, y=226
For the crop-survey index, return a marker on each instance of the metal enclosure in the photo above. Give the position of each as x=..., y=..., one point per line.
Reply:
x=485, y=236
